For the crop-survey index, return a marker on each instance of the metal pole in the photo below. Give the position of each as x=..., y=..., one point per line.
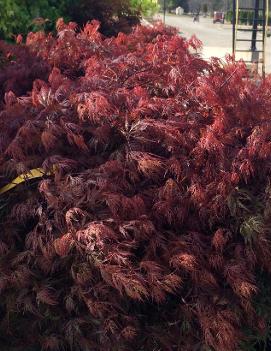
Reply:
x=164, y=11
x=233, y=26
x=255, y=25
x=265, y=28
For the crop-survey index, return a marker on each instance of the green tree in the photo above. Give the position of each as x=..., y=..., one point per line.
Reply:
x=146, y=7
x=17, y=15
x=172, y=4
x=218, y=5
x=205, y=8
x=184, y=4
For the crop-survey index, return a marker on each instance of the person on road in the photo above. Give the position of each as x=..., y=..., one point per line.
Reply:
x=196, y=18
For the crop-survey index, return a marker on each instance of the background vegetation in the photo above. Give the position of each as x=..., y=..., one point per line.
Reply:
x=22, y=16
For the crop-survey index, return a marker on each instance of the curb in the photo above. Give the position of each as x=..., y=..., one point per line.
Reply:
x=144, y=22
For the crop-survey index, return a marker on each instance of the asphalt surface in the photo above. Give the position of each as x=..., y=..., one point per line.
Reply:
x=216, y=38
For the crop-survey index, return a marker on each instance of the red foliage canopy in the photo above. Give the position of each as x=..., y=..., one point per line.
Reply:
x=150, y=232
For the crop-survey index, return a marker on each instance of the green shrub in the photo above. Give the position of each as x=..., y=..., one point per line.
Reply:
x=17, y=16
x=23, y=16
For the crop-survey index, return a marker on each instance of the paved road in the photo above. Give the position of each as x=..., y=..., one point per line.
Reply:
x=216, y=38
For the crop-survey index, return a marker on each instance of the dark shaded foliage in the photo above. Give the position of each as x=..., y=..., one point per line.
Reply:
x=153, y=229
x=19, y=68
x=115, y=15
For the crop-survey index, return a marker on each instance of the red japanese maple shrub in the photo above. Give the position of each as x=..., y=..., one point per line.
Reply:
x=19, y=68
x=152, y=221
